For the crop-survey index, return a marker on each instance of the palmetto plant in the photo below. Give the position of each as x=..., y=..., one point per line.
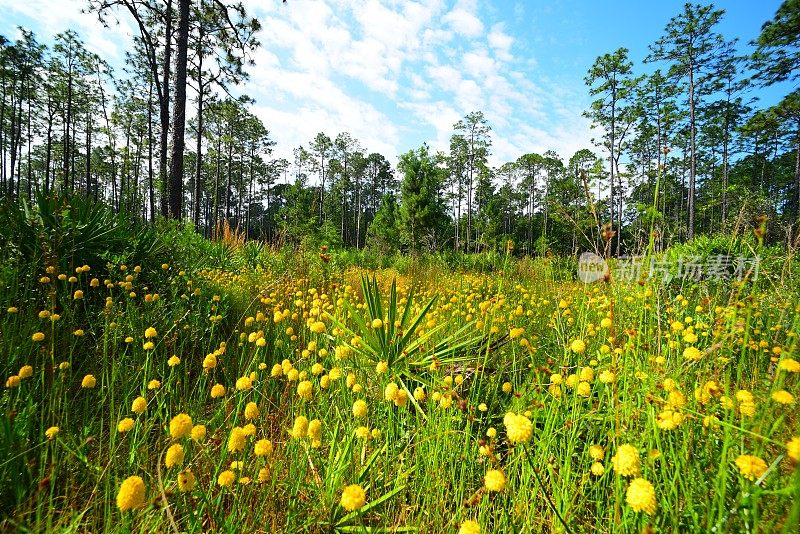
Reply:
x=390, y=334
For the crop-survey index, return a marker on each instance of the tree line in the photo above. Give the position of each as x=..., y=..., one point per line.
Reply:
x=681, y=150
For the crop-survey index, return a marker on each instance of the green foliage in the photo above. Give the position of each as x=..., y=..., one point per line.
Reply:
x=384, y=233
x=423, y=213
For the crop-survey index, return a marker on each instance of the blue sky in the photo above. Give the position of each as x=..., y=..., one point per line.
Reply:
x=397, y=73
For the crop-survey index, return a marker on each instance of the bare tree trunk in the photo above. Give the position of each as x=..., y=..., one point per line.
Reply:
x=693, y=152
x=163, y=105
x=179, y=116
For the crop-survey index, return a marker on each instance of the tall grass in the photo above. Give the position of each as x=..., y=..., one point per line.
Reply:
x=602, y=364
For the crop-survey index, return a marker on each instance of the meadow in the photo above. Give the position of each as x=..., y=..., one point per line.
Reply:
x=194, y=386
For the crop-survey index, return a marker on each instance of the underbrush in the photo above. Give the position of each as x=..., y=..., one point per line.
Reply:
x=161, y=382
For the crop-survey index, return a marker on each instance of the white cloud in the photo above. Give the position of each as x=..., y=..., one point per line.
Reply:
x=392, y=73
x=462, y=19
x=52, y=17
x=500, y=42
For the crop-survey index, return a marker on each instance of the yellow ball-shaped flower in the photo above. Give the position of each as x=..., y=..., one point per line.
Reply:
x=626, y=461
x=641, y=496
x=353, y=497
x=88, y=382
x=360, y=408
x=175, y=455
x=125, y=425
x=494, y=480
x=518, y=427
x=263, y=447
x=180, y=426
x=139, y=405
x=131, y=494
x=577, y=346
x=237, y=440
x=751, y=467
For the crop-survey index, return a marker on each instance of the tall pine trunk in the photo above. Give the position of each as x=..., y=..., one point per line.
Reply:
x=179, y=117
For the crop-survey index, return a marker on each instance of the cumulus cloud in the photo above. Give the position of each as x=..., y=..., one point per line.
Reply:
x=392, y=73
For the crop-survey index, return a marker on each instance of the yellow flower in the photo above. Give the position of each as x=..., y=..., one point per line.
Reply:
x=125, y=425
x=315, y=430
x=318, y=327
x=400, y=398
x=578, y=346
x=518, y=427
x=390, y=391
x=793, y=449
x=469, y=527
x=380, y=368
x=244, y=383
x=598, y=469
x=180, y=426
x=586, y=374
x=148, y=345
x=626, y=461
x=789, y=364
x=360, y=408
x=251, y=411
x=210, y=361
x=139, y=405
x=150, y=333
x=78, y=295
x=237, y=439
x=186, y=480
x=597, y=452
x=641, y=496
x=26, y=371
x=507, y=387
x=516, y=332
x=12, y=309
x=669, y=420
x=751, y=467
x=781, y=397
x=89, y=381
x=494, y=480
x=300, y=428
x=131, y=494
x=377, y=324
x=174, y=456
x=154, y=384
x=198, y=433
x=606, y=377
x=305, y=390
x=173, y=361
x=38, y=336
x=263, y=447
x=51, y=432
x=353, y=497
x=419, y=393
x=692, y=353
x=226, y=478
x=584, y=389
x=217, y=391
x=263, y=474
